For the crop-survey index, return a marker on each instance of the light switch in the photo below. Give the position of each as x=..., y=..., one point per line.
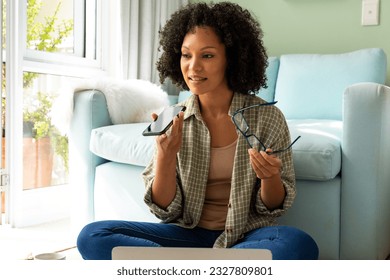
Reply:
x=370, y=12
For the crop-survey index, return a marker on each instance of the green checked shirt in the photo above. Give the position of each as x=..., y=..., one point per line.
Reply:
x=246, y=211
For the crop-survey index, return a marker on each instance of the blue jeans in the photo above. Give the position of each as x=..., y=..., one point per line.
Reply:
x=96, y=240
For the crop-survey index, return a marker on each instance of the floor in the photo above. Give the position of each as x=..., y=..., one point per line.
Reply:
x=25, y=243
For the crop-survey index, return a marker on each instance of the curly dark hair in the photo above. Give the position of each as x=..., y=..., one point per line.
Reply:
x=237, y=29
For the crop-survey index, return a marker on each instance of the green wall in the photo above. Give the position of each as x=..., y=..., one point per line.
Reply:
x=318, y=26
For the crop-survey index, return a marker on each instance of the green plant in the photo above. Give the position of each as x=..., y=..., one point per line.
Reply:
x=38, y=115
x=45, y=36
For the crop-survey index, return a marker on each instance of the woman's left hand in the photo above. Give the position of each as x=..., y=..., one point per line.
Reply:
x=265, y=165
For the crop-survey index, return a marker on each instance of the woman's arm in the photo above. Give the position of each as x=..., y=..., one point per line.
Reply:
x=168, y=145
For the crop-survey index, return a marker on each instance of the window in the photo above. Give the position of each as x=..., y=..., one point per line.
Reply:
x=62, y=32
x=62, y=45
x=57, y=32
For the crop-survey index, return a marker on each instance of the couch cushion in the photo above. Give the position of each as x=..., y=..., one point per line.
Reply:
x=312, y=85
x=271, y=72
x=317, y=154
x=123, y=143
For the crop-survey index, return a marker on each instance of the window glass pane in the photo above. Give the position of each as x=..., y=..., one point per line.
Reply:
x=45, y=149
x=50, y=26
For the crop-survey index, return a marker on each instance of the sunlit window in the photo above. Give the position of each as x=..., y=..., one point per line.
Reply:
x=58, y=27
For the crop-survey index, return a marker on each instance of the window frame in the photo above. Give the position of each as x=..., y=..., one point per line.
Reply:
x=86, y=60
x=24, y=208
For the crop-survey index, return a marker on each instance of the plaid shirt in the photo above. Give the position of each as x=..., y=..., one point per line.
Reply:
x=246, y=210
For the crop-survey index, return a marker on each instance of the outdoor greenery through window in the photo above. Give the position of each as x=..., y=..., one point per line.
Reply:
x=50, y=25
x=47, y=46
x=45, y=150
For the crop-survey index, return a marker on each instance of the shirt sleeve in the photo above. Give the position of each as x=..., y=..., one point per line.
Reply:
x=283, y=139
x=174, y=209
x=289, y=186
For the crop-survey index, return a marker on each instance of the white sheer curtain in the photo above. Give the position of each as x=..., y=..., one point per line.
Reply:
x=140, y=23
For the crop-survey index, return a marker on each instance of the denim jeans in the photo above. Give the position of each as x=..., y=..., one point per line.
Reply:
x=96, y=240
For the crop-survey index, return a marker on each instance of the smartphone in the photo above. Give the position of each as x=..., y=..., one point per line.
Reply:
x=163, y=121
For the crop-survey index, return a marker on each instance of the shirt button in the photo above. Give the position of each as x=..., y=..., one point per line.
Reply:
x=229, y=230
x=230, y=205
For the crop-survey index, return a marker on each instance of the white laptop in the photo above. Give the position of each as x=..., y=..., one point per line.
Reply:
x=168, y=253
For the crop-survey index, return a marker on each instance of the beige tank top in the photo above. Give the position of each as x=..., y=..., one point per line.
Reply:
x=215, y=206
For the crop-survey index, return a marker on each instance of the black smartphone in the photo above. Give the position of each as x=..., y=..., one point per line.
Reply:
x=163, y=121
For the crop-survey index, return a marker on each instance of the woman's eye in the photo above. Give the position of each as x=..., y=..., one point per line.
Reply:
x=188, y=56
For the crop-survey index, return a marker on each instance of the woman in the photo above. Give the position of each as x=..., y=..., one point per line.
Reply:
x=223, y=172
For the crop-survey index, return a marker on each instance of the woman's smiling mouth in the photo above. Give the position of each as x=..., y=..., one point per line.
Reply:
x=196, y=79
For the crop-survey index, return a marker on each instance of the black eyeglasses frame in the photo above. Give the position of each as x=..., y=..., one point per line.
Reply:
x=245, y=131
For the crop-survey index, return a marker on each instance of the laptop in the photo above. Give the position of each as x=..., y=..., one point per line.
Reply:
x=169, y=253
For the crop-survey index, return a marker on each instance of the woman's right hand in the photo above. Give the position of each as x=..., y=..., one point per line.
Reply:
x=169, y=143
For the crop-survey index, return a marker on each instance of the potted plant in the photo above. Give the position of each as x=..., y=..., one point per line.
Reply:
x=40, y=140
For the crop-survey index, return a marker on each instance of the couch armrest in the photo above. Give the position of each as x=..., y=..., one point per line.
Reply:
x=89, y=112
x=365, y=193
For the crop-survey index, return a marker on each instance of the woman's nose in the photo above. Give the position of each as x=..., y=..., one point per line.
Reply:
x=195, y=64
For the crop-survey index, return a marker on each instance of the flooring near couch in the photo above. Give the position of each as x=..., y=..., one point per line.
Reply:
x=340, y=106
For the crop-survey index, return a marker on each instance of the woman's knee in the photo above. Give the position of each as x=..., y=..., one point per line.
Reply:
x=283, y=241
x=301, y=244
x=88, y=239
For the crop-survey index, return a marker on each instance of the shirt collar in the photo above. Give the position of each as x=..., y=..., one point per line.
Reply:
x=238, y=102
x=192, y=104
x=193, y=109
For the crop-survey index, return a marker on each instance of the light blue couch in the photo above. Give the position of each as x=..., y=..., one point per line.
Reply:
x=339, y=105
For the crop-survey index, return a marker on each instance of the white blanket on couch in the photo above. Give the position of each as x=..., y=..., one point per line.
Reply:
x=128, y=101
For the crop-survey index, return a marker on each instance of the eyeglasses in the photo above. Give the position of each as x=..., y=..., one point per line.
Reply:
x=242, y=126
